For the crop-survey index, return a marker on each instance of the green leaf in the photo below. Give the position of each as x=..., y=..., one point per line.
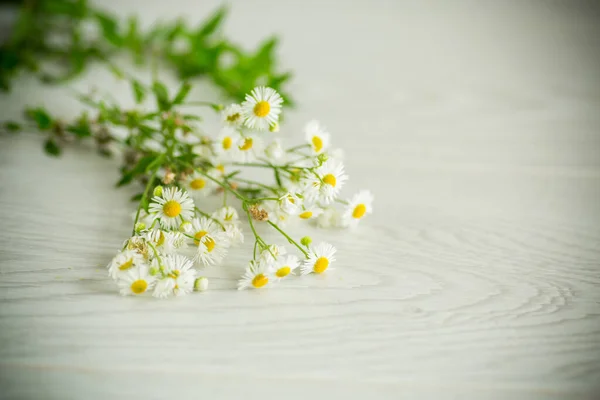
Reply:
x=137, y=170
x=110, y=28
x=137, y=197
x=162, y=96
x=40, y=116
x=212, y=23
x=12, y=127
x=182, y=93
x=139, y=91
x=51, y=147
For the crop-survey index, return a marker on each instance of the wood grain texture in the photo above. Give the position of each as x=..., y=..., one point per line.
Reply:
x=476, y=125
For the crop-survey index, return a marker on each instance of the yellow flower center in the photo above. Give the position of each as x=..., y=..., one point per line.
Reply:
x=175, y=274
x=306, y=214
x=161, y=239
x=208, y=242
x=321, y=265
x=172, y=208
x=233, y=117
x=262, y=108
x=220, y=168
x=227, y=142
x=359, y=211
x=126, y=265
x=198, y=184
x=247, y=144
x=259, y=281
x=330, y=180
x=283, y=271
x=139, y=286
x=317, y=143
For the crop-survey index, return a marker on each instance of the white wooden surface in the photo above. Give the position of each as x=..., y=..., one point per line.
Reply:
x=476, y=125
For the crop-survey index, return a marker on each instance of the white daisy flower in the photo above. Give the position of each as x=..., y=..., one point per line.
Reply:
x=283, y=266
x=359, y=205
x=256, y=276
x=123, y=262
x=226, y=144
x=329, y=218
x=249, y=148
x=166, y=242
x=317, y=136
x=290, y=204
x=139, y=245
x=272, y=252
x=198, y=185
x=136, y=281
x=310, y=211
x=262, y=108
x=327, y=184
x=233, y=115
x=226, y=216
x=211, y=240
x=319, y=259
x=173, y=207
x=179, y=276
x=276, y=214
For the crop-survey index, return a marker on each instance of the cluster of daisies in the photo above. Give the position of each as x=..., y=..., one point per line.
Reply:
x=174, y=235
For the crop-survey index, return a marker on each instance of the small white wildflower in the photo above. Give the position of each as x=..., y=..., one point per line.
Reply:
x=274, y=151
x=290, y=204
x=211, y=240
x=225, y=145
x=123, y=262
x=136, y=281
x=256, y=276
x=272, y=252
x=358, y=207
x=235, y=234
x=317, y=136
x=226, y=216
x=329, y=218
x=178, y=276
x=327, y=183
x=284, y=266
x=173, y=207
x=319, y=259
x=233, y=115
x=198, y=185
x=262, y=108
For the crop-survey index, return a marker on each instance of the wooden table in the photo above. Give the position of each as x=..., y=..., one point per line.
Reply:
x=476, y=125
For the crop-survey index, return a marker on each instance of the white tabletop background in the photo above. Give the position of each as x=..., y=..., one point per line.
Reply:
x=477, y=127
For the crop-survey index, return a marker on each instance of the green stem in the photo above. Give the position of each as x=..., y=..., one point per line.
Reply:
x=292, y=241
x=301, y=146
x=342, y=201
x=207, y=215
x=146, y=190
x=251, y=182
x=223, y=185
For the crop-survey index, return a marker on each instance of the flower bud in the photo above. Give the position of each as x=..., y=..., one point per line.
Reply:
x=274, y=127
x=158, y=191
x=140, y=226
x=185, y=226
x=201, y=284
x=306, y=241
x=322, y=157
x=154, y=271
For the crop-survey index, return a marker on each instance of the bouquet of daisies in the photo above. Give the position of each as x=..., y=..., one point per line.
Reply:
x=185, y=166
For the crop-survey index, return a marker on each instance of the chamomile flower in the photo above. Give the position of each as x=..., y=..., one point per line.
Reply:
x=283, y=266
x=136, y=281
x=233, y=115
x=358, y=207
x=211, y=240
x=317, y=137
x=140, y=246
x=178, y=276
x=173, y=207
x=124, y=261
x=272, y=252
x=310, y=211
x=198, y=185
x=290, y=204
x=226, y=216
x=262, y=108
x=166, y=242
x=256, y=276
x=319, y=259
x=325, y=185
x=249, y=147
x=226, y=144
